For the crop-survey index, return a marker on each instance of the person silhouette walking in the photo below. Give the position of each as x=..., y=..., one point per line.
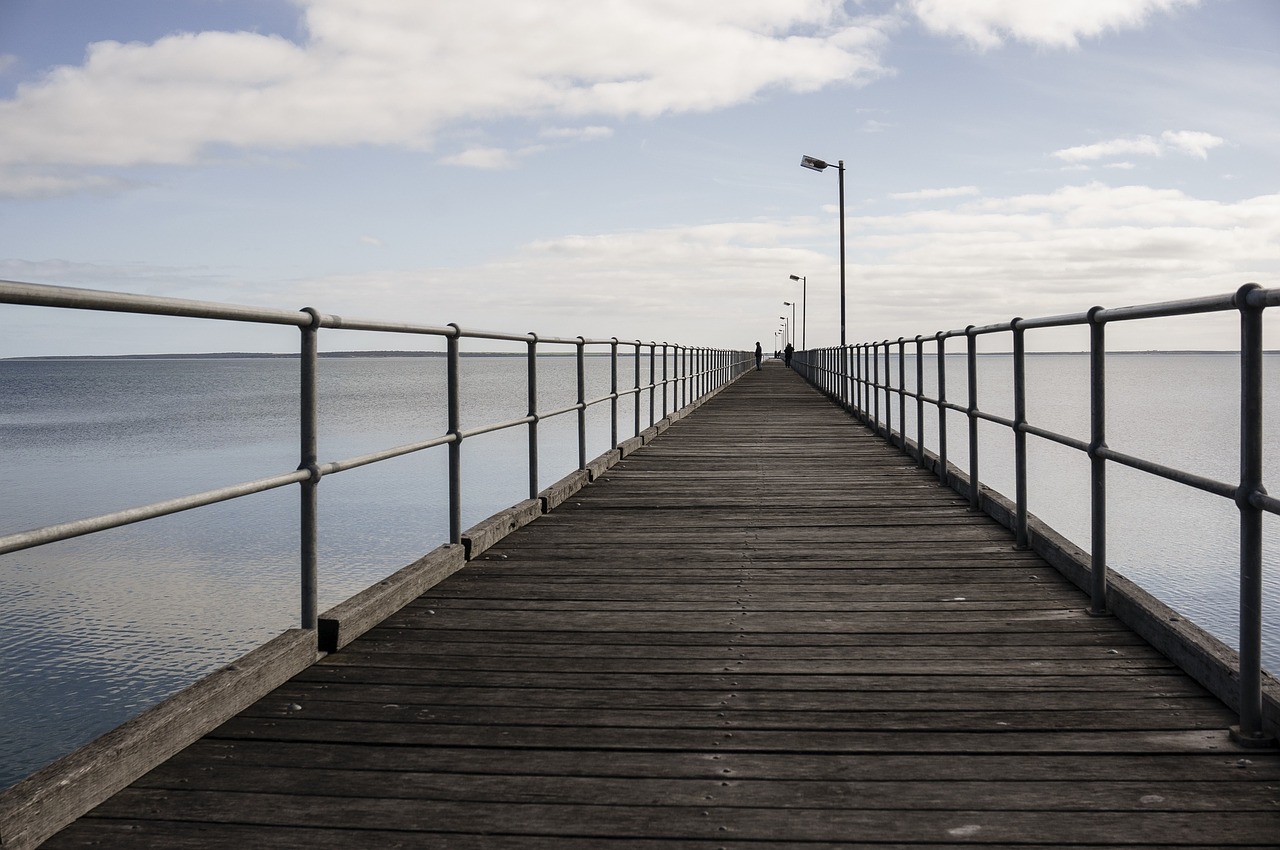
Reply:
x=759, y=355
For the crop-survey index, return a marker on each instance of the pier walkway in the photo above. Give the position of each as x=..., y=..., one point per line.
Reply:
x=765, y=629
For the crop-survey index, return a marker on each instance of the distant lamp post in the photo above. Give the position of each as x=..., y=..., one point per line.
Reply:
x=786, y=336
x=804, y=311
x=792, y=305
x=818, y=165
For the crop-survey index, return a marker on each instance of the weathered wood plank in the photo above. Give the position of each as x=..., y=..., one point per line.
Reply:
x=348, y=620
x=172, y=835
x=1223, y=767
x=676, y=822
x=748, y=705
x=488, y=533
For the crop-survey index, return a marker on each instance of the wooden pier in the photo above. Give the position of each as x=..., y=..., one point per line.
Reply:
x=766, y=629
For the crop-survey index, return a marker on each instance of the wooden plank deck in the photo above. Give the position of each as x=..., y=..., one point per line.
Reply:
x=766, y=629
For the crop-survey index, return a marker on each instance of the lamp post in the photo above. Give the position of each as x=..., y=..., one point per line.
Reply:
x=788, y=332
x=792, y=305
x=804, y=311
x=818, y=165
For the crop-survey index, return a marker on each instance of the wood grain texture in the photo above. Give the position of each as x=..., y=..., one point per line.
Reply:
x=764, y=629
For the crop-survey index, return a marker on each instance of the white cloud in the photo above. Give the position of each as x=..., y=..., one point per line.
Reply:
x=486, y=158
x=1063, y=251
x=48, y=183
x=1139, y=145
x=931, y=194
x=581, y=134
x=1048, y=23
x=371, y=240
x=394, y=72
x=1191, y=143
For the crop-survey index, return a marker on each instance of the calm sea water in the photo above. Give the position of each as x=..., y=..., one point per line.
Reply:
x=98, y=628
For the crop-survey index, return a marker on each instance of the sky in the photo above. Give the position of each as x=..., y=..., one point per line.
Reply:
x=631, y=168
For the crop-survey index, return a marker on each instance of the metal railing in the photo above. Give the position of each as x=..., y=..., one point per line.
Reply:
x=687, y=375
x=852, y=376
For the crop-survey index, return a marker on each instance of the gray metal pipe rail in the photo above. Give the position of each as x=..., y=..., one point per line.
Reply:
x=851, y=376
x=695, y=372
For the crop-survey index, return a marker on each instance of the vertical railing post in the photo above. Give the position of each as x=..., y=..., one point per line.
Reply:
x=830, y=375
x=638, y=393
x=859, y=390
x=653, y=384
x=308, y=449
x=835, y=375
x=888, y=392
x=581, y=346
x=691, y=375
x=684, y=375
x=920, y=401
x=532, y=386
x=679, y=376
x=846, y=379
x=1021, y=540
x=971, y=361
x=875, y=384
x=1250, y=730
x=942, y=407
x=695, y=358
x=855, y=372
x=843, y=362
x=455, y=430
x=665, y=410
x=869, y=361
x=613, y=393
x=708, y=356
x=902, y=391
x=1097, y=463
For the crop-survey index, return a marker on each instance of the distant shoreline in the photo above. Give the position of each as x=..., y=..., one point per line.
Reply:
x=251, y=355
x=255, y=355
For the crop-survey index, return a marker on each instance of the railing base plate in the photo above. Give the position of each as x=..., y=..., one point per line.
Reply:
x=1260, y=741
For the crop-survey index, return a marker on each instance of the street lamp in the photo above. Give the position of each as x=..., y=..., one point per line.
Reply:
x=792, y=305
x=804, y=311
x=785, y=327
x=819, y=165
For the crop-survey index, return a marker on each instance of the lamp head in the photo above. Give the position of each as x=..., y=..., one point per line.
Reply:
x=795, y=277
x=813, y=163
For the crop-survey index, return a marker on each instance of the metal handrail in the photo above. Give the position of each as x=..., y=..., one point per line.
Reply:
x=695, y=373
x=851, y=375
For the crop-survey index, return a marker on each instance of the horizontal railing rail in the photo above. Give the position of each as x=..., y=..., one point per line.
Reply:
x=852, y=376
x=687, y=375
